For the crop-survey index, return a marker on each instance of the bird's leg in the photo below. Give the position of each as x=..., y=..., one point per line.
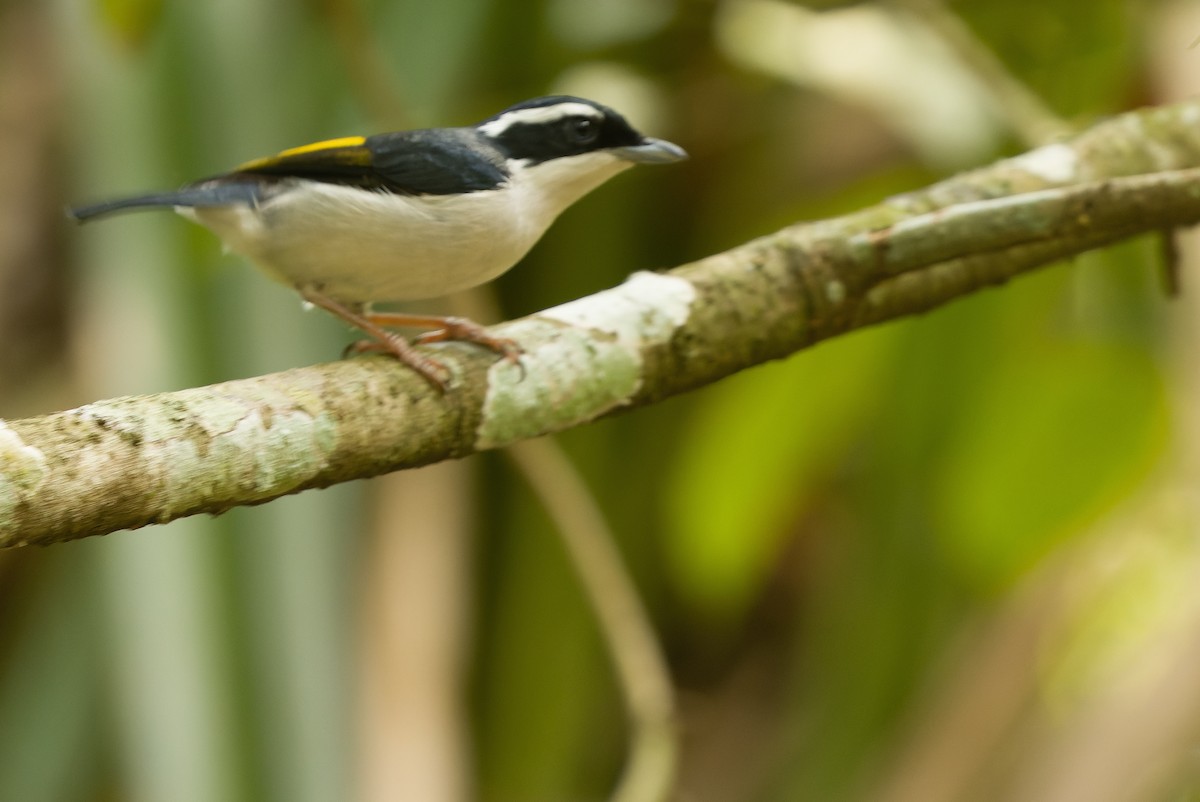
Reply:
x=431, y=370
x=448, y=328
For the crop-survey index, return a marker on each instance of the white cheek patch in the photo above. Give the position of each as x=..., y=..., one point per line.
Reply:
x=543, y=190
x=539, y=116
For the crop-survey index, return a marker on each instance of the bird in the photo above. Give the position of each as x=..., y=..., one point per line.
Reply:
x=410, y=215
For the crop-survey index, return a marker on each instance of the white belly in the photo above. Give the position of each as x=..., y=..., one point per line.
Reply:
x=403, y=248
x=360, y=247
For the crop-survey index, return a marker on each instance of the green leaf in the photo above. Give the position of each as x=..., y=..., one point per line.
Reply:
x=132, y=21
x=750, y=459
x=1061, y=434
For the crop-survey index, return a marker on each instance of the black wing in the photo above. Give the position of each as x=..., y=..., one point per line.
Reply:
x=424, y=162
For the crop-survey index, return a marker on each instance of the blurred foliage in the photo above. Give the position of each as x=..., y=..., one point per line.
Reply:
x=132, y=20
x=1051, y=46
x=815, y=538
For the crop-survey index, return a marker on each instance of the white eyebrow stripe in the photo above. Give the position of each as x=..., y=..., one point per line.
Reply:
x=538, y=115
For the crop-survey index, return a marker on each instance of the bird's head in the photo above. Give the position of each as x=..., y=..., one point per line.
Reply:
x=562, y=126
x=567, y=146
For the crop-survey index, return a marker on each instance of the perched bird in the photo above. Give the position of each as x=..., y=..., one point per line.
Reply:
x=413, y=214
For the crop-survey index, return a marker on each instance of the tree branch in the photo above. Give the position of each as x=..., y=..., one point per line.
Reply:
x=128, y=462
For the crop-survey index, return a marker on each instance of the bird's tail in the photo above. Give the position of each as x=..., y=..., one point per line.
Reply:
x=224, y=193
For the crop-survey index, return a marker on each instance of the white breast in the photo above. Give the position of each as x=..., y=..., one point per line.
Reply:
x=373, y=246
x=360, y=246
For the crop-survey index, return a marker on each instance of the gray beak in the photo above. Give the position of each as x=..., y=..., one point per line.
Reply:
x=652, y=151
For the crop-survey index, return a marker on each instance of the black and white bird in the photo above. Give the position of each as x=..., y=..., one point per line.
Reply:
x=411, y=215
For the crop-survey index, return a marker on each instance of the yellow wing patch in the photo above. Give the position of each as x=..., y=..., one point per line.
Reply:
x=324, y=146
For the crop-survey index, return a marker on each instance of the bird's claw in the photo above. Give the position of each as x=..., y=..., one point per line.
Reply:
x=431, y=370
x=459, y=329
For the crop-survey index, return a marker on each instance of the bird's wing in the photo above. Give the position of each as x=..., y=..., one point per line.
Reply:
x=407, y=162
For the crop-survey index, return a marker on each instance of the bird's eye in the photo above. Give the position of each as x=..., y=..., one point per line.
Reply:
x=582, y=130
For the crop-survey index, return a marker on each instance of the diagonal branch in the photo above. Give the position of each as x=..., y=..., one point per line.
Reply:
x=128, y=462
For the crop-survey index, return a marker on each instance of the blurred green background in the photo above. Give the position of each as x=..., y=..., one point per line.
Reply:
x=951, y=558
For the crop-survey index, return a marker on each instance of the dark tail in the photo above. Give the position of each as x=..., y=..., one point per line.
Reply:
x=206, y=194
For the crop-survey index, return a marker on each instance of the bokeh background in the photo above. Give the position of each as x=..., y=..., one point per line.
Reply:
x=951, y=558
